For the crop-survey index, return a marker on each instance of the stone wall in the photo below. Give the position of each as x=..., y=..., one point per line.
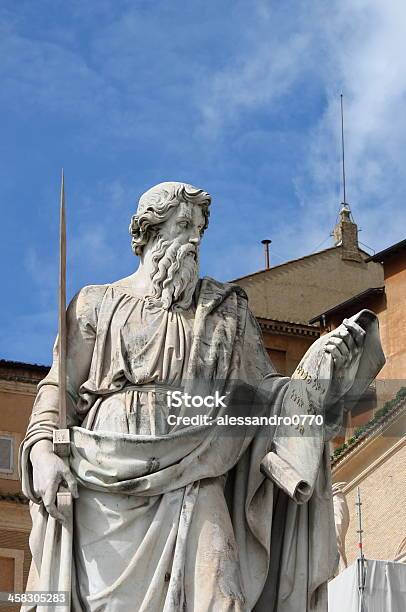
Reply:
x=17, y=392
x=301, y=289
x=287, y=349
x=383, y=492
x=392, y=321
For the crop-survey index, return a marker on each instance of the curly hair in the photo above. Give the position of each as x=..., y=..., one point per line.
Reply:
x=156, y=206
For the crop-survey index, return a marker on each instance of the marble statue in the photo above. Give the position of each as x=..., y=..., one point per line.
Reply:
x=180, y=506
x=400, y=554
x=341, y=521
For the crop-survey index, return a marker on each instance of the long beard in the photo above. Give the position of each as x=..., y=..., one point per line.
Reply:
x=174, y=276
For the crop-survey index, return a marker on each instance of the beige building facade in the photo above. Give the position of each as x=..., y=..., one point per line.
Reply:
x=286, y=297
x=286, y=343
x=377, y=465
x=388, y=302
x=372, y=453
x=346, y=280
x=17, y=391
x=298, y=290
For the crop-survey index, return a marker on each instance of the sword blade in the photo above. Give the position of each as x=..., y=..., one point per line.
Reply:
x=62, y=308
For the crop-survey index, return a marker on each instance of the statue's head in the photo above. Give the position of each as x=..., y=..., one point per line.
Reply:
x=167, y=227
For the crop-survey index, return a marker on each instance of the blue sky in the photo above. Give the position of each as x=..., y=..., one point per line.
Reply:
x=239, y=98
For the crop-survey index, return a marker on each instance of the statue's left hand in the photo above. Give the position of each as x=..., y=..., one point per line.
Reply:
x=49, y=471
x=345, y=346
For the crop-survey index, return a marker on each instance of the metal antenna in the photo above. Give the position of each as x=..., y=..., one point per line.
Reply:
x=342, y=147
x=266, y=244
x=361, y=558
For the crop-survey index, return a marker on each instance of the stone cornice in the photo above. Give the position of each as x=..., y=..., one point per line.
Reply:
x=18, y=386
x=288, y=328
x=19, y=378
x=380, y=429
x=20, y=372
x=17, y=498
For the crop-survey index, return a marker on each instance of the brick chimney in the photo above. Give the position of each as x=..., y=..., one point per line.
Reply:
x=345, y=236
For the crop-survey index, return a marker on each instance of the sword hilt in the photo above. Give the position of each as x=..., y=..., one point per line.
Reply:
x=61, y=442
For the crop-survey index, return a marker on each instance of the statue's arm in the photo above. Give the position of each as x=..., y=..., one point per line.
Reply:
x=338, y=366
x=81, y=333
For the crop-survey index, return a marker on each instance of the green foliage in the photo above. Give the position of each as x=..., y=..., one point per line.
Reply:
x=361, y=431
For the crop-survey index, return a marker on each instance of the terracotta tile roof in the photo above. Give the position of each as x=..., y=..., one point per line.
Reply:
x=389, y=412
x=21, y=365
x=355, y=299
x=389, y=252
x=19, y=371
x=292, y=261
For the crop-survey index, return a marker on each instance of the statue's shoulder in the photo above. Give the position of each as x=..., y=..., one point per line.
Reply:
x=87, y=301
x=221, y=287
x=126, y=284
x=92, y=293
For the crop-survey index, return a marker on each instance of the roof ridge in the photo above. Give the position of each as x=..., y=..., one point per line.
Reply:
x=20, y=498
x=24, y=364
x=283, y=264
x=290, y=261
x=351, y=300
x=388, y=251
x=361, y=433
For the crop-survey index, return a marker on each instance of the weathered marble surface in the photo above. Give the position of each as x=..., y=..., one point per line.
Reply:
x=201, y=518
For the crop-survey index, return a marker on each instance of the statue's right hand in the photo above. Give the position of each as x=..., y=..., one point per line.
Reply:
x=49, y=471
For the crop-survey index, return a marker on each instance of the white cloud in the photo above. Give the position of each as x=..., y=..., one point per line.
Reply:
x=274, y=53
x=354, y=46
x=39, y=73
x=366, y=58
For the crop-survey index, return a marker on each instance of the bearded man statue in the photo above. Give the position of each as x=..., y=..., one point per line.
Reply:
x=228, y=513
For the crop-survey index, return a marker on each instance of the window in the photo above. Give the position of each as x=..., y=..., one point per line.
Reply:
x=11, y=569
x=9, y=443
x=6, y=454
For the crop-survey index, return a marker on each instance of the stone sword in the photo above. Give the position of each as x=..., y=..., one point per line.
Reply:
x=61, y=436
x=61, y=439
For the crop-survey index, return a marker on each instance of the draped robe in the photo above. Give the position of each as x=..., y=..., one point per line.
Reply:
x=194, y=518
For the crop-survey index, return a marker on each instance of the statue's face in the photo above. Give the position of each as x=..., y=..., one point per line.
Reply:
x=175, y=257
x=185, y=226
